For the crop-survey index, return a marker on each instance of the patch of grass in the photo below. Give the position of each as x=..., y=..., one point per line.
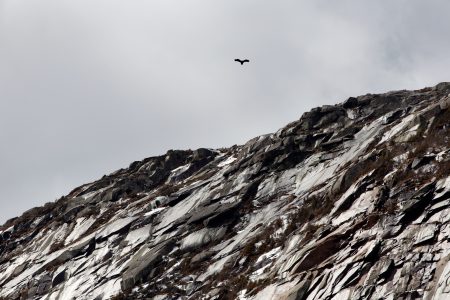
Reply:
x=268, y=242
x=443, y=170
x=313, y=207
x=58, y=245
x=167, y=190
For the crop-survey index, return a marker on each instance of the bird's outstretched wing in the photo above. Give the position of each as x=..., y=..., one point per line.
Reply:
x=241, y=61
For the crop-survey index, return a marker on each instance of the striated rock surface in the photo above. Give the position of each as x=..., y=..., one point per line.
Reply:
x=352, y=201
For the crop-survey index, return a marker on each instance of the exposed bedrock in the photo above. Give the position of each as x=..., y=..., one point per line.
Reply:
x=350, y=201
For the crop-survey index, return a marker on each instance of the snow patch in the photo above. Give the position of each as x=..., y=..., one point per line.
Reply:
x=228, y=161
x=81, y=226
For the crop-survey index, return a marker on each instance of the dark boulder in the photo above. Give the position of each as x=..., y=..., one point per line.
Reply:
x=351, y=102
x=215, y=214
x=59, y=278
x=421, y=161
x=203, y=153
x=392, y=116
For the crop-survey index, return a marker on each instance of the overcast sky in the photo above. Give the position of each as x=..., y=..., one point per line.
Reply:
x=88, y=86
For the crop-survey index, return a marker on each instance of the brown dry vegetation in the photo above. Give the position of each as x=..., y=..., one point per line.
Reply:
x=121, y=296
x=312, y=208
x=58, y=245
x=443, y=170
x=235, y=280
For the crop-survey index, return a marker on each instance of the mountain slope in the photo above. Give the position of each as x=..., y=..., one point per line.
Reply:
x=352, y=201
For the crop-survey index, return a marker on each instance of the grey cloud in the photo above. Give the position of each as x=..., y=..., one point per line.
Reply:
x=87, y=87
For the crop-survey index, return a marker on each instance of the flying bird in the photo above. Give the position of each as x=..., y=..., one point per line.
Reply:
x=242, y=61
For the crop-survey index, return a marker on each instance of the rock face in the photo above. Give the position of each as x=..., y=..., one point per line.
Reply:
x=352, y=201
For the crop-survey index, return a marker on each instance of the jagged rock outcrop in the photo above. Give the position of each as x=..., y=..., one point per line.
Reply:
x=352, y=201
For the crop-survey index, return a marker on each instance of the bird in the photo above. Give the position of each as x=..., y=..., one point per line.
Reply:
x=242, y=61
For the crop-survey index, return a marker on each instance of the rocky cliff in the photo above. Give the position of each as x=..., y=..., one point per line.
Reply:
x=352, y=201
